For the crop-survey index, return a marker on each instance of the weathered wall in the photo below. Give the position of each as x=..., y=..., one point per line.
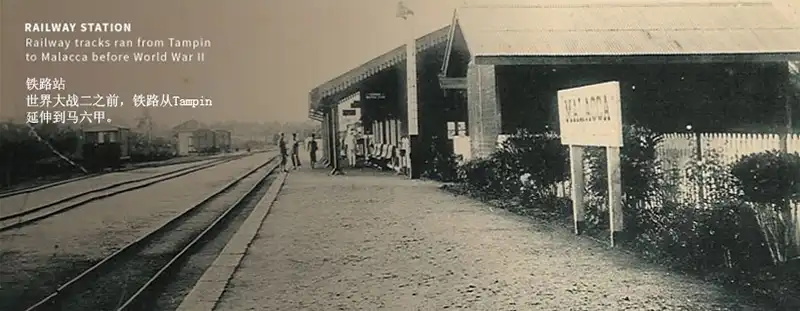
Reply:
x=484, y=109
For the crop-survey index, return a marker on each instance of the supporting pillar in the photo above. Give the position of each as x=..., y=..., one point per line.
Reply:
x=386, y=130
x=396, y=132
x=389, y=138
x=326, y=139
x=336, y=160
x=393, y=132
x=483, y=109
x=416, y=162
x=375, y=133
x=381, y=133
x=392, y=141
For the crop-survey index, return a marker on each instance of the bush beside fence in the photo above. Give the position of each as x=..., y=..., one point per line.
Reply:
x=695, y=212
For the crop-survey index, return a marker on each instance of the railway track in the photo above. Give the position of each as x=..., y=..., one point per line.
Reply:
x=126, y=279
x=32, y=189
x=26, y=190
x=32, y=215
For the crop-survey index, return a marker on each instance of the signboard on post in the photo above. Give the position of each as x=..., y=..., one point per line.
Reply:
x=592, y=116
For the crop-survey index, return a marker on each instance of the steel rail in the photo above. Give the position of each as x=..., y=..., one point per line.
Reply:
x=186, y=250
x=142, y=240
x=137, y=166
x=153, y=180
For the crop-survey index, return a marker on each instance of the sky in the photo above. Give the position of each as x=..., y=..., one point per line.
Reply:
x=265, y=56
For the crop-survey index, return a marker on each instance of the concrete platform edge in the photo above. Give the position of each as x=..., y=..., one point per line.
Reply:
x=210, y=287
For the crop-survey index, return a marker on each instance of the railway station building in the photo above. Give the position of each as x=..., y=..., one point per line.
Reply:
x=498, y=68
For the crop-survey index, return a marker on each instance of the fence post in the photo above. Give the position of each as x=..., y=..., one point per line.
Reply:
x=794, y=212
x=698, y=145
x=783, y=142
x=577, y=181
x=787, y=105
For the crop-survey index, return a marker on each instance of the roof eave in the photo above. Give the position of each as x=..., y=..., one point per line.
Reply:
x=639, y=58
x=353, y=77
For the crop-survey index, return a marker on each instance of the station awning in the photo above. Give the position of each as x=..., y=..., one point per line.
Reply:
x=345, y=82
x=623, y=32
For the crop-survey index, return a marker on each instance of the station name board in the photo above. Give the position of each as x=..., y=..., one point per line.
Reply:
x=591, y=115
x=374, y=95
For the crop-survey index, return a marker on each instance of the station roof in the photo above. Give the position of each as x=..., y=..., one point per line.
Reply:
x=564, y=32
x=103, y=128
x=353, y=77
x=189, y=126
x=614, y=32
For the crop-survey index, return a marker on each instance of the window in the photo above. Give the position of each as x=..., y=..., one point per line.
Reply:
x=348, y=112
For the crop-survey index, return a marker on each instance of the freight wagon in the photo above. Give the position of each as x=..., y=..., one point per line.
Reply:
x=203, y=141
x=222, y=140
x=105, y=147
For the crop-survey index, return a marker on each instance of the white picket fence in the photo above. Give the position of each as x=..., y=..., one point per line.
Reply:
x=677, y=149
x=728, y=145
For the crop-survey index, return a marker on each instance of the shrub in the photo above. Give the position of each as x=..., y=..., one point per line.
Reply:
x=736, y=226
x=640, y=175
x=718, y=232
x=712, y=176
x=479, y=175
x=723, y=235
x=442, y=166
x=770, y=181
x=541, y=156
x=769, y=177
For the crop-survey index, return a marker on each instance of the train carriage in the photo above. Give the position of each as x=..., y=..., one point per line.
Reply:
x=203, y=141
x=222, y=140
x=105, y=146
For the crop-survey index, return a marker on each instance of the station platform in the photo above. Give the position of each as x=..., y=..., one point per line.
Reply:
x=373, y=241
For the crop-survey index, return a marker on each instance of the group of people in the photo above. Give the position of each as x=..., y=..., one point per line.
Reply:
x=291, y=150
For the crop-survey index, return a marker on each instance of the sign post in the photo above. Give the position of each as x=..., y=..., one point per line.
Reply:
x=592, y=116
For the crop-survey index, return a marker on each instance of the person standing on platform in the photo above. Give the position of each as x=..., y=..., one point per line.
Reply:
x=351, y=143
x=312, y=147
x=403, y=154
x=284, y=151
x=295, y=152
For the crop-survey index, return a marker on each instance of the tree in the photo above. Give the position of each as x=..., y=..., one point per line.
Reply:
x=145, y=124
